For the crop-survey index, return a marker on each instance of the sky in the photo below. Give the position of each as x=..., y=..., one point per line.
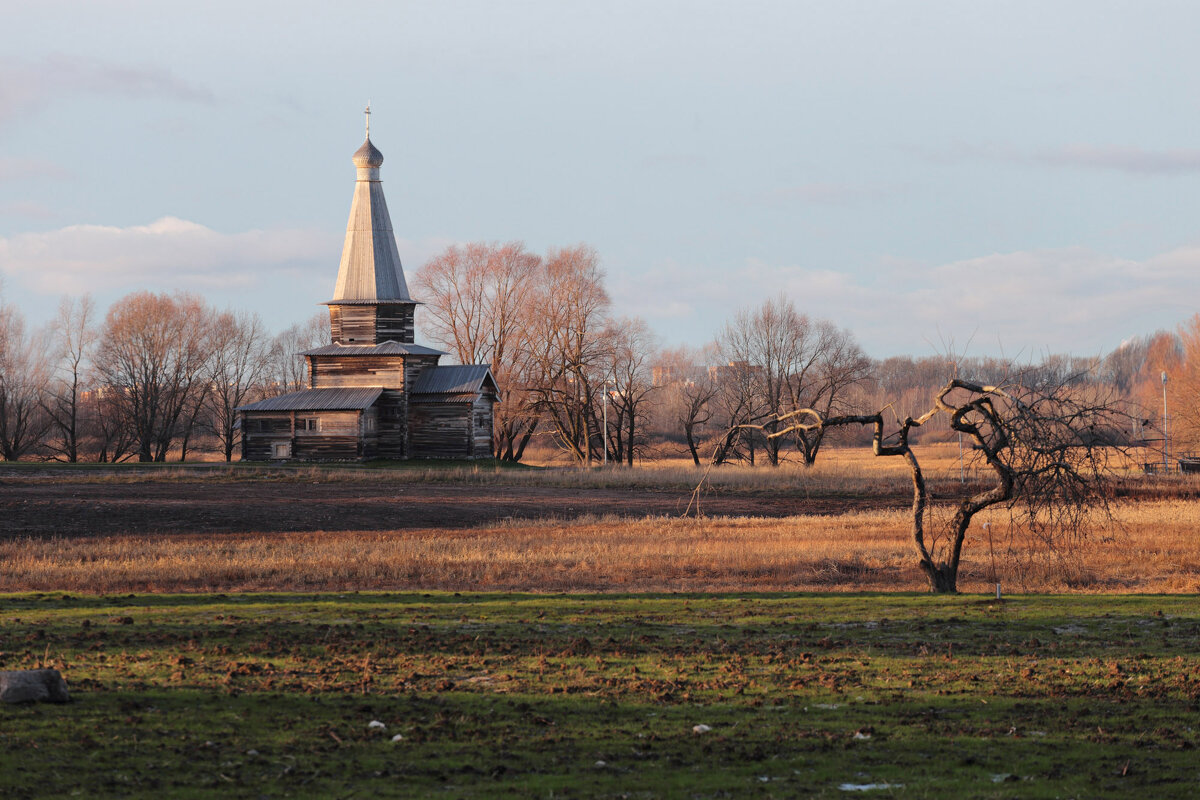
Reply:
x=1015, y=178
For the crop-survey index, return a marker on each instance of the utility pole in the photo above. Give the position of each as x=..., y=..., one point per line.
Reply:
x=1166, y=436
x=604, y=436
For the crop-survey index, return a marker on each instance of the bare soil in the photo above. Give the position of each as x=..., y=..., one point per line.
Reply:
x=66, y=508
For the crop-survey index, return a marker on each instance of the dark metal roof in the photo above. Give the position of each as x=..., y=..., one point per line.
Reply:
x=319, y=400
x=388, y=348
x=437, y=398
x=453, y=379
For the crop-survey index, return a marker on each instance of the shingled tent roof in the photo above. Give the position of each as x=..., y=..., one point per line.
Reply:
x=370, y=271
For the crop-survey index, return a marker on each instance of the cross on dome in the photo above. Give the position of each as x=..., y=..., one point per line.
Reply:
x=368, y=156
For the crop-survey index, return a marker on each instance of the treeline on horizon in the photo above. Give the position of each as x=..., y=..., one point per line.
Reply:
x=161, y=375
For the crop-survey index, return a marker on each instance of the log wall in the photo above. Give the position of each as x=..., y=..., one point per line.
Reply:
x=345, y=371
x=392, y=426
x=327, y=423
x=395, y=323
x=481, y=426
x=311, y=435
x=440, y=430
x=371, y=324
x=326, y=448
x=261, y=432
x=414, y=365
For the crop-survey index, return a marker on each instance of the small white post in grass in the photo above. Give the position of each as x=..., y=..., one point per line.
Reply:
x=997, y=591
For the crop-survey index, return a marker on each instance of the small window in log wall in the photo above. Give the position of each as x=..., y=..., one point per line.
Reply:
x=308, y=424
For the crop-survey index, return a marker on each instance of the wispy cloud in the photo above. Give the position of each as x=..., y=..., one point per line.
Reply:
x=28, y=208
x=1068, y=299
x=1122, y=159
x=821, y=193
x=674, y=161
x=17, y=169
x=172, y=253
x=169, y=253
x=27, y=85
x=1079, y=155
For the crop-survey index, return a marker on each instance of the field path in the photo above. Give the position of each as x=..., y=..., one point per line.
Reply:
x=82, y=508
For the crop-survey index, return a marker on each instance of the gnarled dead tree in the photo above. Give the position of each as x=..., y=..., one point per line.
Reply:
x=1049, y=447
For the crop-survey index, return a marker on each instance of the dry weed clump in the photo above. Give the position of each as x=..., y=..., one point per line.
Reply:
x=1154, y=549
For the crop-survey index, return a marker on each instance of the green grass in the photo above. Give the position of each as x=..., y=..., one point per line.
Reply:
x=525, y=695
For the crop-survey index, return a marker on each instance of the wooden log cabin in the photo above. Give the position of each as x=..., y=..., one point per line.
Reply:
x=373, y=392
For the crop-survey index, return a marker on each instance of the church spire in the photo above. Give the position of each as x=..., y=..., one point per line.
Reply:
x=370, y=271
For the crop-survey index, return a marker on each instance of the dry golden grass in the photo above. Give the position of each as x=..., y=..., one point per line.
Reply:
x=1155, y=550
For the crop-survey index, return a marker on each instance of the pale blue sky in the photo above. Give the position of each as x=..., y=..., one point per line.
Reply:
x=1025, y=176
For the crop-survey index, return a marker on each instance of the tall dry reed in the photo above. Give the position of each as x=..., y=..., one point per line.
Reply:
x=1155, y=549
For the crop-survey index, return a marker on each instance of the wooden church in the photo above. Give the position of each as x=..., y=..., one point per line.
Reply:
x=372, y=392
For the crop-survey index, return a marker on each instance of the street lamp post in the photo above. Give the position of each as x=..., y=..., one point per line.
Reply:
x=1166, y=436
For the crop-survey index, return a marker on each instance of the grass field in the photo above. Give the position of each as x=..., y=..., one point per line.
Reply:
x=495, y=695
x=264, y=681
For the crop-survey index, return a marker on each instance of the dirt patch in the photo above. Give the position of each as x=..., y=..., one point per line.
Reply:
x=81, y=509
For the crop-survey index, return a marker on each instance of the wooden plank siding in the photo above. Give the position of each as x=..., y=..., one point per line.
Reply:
x=413, y=366
x=344, y=371
x=311, y=435
x=327, y=423
x=372, y=324
x=392, y=426
x=441, y=430
x=326, y=448
x=481, y=425
x=395, y=323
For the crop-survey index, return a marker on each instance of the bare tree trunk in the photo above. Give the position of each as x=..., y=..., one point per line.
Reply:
x=688, y=432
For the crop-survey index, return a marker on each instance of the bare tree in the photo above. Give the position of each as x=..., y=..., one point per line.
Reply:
x=567, y=348
x=74, y=339
x=822, y=380
x=152, y=354
x=688, y=389
x=769, y=341
x=781, y=360
x=1048, y=445
x=288, y=370
x=1182, y=365
x=740, y=406
x=24, y=375
x=236, y=369
x=630, y=345
x=478, y=305
x=112, y=440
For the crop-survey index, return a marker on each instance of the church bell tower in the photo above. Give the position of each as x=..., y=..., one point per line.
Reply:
x=370, y=304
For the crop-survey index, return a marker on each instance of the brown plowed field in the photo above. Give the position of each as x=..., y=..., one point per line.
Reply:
x=66, y=508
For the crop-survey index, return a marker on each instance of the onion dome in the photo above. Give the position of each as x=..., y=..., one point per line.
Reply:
x=368, y=156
